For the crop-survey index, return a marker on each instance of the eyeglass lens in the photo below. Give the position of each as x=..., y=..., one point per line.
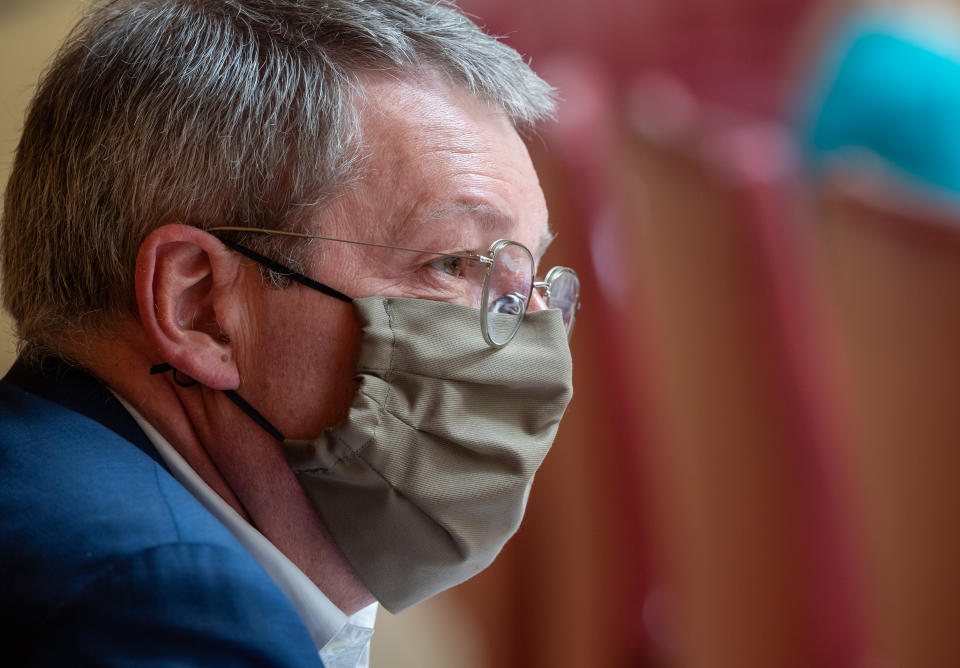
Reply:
x=509, y=287
x=563, y=292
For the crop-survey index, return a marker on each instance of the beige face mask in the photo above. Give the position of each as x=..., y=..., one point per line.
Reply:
x=429, y=475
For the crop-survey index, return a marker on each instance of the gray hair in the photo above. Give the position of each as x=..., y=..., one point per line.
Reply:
x=208, y=112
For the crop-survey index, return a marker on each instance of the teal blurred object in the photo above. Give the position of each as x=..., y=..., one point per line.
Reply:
x=889, y=84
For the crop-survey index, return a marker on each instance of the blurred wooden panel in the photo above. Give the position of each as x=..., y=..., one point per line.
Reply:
x=727, y=457
x=891, y=264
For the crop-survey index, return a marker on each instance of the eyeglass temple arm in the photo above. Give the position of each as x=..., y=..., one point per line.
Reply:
x=304, y=235
x=286, y=272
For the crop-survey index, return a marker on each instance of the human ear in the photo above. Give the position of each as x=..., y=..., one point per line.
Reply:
x=183, y=280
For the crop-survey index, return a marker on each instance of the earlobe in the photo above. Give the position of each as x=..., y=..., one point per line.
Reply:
x=179, y=275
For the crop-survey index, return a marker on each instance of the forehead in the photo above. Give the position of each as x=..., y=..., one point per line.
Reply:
x=442, y=168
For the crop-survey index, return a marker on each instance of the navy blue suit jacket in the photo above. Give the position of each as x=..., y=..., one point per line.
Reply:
x=105, y=559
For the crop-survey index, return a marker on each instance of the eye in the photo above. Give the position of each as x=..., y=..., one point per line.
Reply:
x=449, y=265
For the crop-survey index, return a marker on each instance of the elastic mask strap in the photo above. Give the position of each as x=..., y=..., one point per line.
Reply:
x=232, y=395
x=263, y=260
x=161, y=368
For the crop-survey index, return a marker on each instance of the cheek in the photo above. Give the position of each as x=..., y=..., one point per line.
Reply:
x=303, y=377
x=326, y=387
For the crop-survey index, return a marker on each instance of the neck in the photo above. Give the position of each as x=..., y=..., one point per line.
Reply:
x=236, y=458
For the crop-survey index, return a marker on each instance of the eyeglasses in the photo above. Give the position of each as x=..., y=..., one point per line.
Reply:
x=502, y=280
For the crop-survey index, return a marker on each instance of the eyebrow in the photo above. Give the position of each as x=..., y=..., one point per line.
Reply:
x=491, y=219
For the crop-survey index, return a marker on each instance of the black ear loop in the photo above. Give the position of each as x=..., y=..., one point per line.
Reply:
x=161, y=368
x=232, y=395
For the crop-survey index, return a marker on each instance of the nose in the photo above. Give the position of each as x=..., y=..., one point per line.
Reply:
x=537, y=301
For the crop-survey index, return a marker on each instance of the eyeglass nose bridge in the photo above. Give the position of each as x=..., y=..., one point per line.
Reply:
x=540, y=292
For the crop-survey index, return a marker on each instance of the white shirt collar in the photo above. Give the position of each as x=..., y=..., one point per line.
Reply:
x=342, y=641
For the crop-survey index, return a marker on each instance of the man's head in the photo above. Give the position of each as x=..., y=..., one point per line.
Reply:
x=391, y=122
x=212, y=112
